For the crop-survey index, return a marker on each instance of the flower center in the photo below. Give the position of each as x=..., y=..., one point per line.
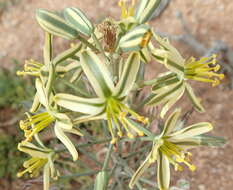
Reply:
x=119, y=115
x=176, y=155
x=201, y=70
x=36, y=123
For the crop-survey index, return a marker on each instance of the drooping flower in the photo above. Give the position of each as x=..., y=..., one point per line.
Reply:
x=171, y=147
x=42, y=158
x=62, y=123
x=110, y=103
x=169, y=87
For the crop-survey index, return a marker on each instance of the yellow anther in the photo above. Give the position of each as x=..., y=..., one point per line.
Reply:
x=216, y=82
x=119, y=133
x=192, y=167
x=178, y=167
x=130, y=135
x=114, y=140
x=216, y=68
x=140, y=133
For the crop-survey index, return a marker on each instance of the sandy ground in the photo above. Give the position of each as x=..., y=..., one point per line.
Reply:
x=209, y=20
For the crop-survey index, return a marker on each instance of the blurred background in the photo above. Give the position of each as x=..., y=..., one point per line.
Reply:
x=196, y=27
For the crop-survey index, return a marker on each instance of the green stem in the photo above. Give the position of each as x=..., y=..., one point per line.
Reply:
x=83, y=40
x=99, y=47
x=86, y=144
x=107, y=158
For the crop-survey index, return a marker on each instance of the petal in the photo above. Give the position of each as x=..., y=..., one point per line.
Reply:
x=79, y=104
x=136, y=39
x=66, y=141
x=178, y=94
x=196, y=103
x=86, y=118
x=41, y=93
x=55, y=24
x=167, y=94
x=129, y=74
x=163, y=172
x=146, y=9
x=170, y=123
x=63, y=121
x=97, y=73
x=78, y=20
x=200, y=140
x=33, y=150
x=191, y=131
x=146, y=163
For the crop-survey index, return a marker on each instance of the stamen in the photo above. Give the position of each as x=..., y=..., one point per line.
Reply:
x=34, y=124
x=201, y=71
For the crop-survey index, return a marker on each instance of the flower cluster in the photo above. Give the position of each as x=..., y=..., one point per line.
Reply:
x=107, y=66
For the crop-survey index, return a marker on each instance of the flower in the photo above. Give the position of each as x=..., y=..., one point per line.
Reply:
x=36, y=123
x=41, y=158
x=110, y=101
x=169, y=87
x=170, y=147
x=203, y=70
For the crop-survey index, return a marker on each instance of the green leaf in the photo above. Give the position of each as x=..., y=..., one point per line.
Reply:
x=97, y=73
x=136, y=39
x=128, y=76
x=78, y=20
x=145, y=10
x=101, y=181
x=55, y=24
x=79, y=104
x=196, y=103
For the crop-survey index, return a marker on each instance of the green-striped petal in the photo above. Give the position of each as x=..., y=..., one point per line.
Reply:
x=167, y=94
x=176, y=96
x=195, y=101
x=136, y=39
x=129, y=74
x=78, y=20
x=145, y=55
x=163, y=171
x=97, y=73
x=41, y=93
x=191, y=131
x=79, y=104
x=55, y=24
x=66, y=141
x=146, y=163
x=87, y=118
x=63, y=121
x=170, y=123
x=34, y=150
x=146, y=9
x=200, y=140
